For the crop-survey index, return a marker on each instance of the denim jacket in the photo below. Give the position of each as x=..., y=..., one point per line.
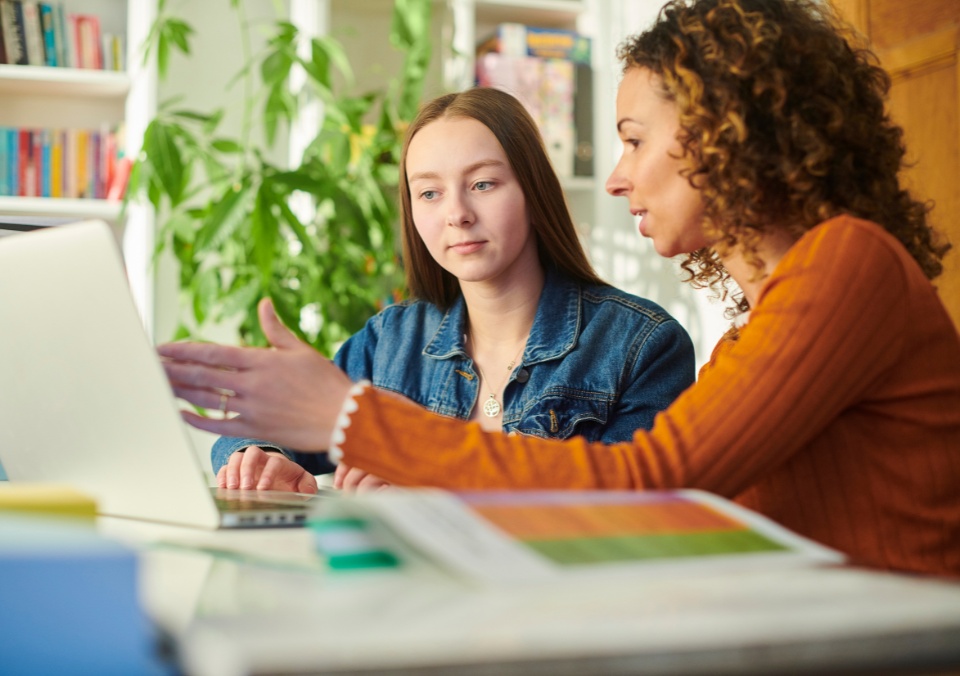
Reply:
x=599, y=363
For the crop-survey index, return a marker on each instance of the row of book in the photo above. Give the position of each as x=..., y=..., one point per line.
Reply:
x=72, y=163
x=44, y=34
x=549, y=71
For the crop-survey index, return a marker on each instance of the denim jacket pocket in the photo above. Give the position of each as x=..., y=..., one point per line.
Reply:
x=562, y=413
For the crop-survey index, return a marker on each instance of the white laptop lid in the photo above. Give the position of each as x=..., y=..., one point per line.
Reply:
x=83, y=398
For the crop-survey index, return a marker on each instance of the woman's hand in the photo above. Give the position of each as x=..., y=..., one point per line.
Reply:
x=353, y=479
x=256, y=468
x=288, y=393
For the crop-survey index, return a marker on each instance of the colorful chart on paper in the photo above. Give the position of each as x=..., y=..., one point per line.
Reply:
x=574, y=528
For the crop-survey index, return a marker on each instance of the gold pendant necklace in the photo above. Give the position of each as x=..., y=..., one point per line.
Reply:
x=492, y=407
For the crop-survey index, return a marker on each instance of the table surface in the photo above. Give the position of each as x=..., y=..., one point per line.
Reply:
x=263, y=601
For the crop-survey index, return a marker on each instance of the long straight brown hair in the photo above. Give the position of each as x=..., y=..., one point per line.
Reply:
x=558, y=245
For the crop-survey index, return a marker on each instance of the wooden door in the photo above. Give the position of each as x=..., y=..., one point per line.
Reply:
x=917, y=42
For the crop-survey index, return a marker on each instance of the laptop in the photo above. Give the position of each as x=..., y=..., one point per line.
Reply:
x=84, y=400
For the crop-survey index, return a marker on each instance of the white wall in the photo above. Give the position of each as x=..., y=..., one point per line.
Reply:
x=621, y=255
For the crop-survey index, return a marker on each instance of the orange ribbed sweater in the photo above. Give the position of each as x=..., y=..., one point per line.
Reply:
x=836, y=413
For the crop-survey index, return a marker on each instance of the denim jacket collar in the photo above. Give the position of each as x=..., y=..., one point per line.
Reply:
x=555, y=326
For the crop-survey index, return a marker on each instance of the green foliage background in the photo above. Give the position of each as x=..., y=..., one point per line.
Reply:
x=224, y=210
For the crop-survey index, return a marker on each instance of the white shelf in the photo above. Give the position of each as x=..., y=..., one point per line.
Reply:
x=547, y=13
x=76, y=209
x=43, y=80
x=572, y=6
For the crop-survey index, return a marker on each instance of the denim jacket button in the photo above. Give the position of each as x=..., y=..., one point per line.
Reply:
x=523, y=375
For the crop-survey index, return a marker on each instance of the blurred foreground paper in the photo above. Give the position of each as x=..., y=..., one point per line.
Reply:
x=542, y=535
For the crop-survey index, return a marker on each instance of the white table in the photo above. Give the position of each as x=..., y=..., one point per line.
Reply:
x=263, y=602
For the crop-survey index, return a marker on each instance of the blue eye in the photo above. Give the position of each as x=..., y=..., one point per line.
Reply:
x=483, y=185
x=428, y=194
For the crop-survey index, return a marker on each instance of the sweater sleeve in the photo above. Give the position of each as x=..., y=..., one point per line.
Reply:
x=822, y=332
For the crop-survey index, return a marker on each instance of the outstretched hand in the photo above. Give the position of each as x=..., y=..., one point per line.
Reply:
x=288, y=393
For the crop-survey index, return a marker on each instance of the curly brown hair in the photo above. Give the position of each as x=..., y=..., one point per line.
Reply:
x=782, y=116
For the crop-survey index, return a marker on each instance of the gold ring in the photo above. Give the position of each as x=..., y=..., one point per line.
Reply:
x=224, y=398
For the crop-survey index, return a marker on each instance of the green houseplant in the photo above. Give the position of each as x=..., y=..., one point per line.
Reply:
x=225, y=211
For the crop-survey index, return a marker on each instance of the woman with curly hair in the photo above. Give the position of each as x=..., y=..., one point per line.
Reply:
x=757, y=146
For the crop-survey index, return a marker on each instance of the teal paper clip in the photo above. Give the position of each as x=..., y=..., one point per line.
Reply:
x=348, y=544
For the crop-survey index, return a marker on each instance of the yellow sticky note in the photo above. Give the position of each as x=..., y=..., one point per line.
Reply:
x=45, y=498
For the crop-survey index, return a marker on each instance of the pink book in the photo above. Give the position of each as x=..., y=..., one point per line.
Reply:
x=118, y=186
x=88, y=45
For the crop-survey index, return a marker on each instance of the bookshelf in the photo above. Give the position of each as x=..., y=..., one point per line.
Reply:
x=44, y=97
x=472, y=21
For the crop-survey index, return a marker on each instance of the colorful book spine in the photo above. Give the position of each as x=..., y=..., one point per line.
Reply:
x=118, y=45
x=45, y=171
x=13, y=157
x=45, y=34
x=3, y=43
x=56, y=163
x=36, y=136
x=517, y=39
x=83, y=177
x=24, y=174
x=94, y=166
x=118, y=184
x=88, y=42
x=33, y=32
x=4, y=164
x=61, y=37
x=49, y=35
x=70, y=165
x=14, y=38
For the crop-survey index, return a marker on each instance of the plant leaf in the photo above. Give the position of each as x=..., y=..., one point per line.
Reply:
x=335, y=55
x=164, y=158
x=224, y=217
x=178, y=32
x=276, y=67
x=163, y=55
x=195, y=116
x=264, y=229
x=226, y=145
x=279, y=107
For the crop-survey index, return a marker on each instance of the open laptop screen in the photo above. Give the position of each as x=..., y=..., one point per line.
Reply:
x=86, y=401
x=10, y=225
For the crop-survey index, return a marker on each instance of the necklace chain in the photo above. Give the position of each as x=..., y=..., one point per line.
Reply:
x=492, y=407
